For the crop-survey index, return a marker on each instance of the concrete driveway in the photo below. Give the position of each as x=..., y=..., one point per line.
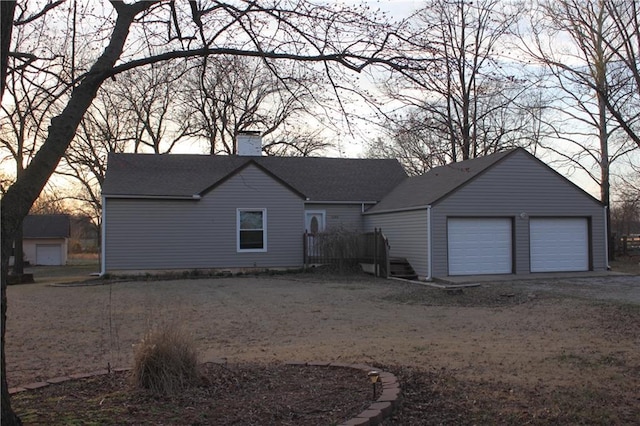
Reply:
x=619, y=288
x=614, y=286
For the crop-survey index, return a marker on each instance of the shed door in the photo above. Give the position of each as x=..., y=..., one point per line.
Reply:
x=559, y=244
x=479, y=246
x=48, y=254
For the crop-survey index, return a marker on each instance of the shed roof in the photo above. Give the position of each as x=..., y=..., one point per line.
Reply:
x=426, y=189
x=186, y=175
x=46, y=226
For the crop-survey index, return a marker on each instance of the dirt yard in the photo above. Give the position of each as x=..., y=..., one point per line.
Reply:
x=525, y=336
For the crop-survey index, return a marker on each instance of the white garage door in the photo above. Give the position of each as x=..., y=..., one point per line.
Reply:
x=48, y=254
x=479, y=246
x=559, y=244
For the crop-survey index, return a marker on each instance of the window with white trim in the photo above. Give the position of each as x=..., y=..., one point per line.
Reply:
x=252, y=229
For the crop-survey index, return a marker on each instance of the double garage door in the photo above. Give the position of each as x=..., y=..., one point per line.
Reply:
x=479, y=246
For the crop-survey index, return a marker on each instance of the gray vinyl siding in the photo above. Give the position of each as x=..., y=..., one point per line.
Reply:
x=198, y=234
x=407, y=233
x=519, y=184
x=340, y=216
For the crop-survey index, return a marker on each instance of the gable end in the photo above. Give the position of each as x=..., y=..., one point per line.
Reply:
x=505, y=158
x=475, y=176
x=261, y=168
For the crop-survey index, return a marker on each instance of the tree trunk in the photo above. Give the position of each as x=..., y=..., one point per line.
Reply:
x=605, y=185
x=18, y=253
x=20, y=196
x=602, y=94
x=8, y=416
x=7, y=9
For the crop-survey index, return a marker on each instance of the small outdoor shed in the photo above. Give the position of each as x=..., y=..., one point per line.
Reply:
x=505, y=213
x=45, y=239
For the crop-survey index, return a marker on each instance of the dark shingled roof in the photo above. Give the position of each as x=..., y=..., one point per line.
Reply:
x=185, y=175
x=46, y=226
x=427, y=189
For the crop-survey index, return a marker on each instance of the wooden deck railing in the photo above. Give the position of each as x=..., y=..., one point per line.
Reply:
x=346, y=249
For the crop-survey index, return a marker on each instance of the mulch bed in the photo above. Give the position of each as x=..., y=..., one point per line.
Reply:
x=252, y=394
x=248, y=394
x=438, y=397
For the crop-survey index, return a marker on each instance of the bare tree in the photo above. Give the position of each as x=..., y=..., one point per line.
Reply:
x=7, y=11
x=415, y=140
x=291, y=141
x=229, y=94
x=33, y=96
x=576, y=42
x=466, y=91
x=106, y=127
x=49, y=202
x=159, y=110
x=5, y=181
x=137, y=112
x=625, y=108
x=625, y=210
x=151, y=97
x=292, y=30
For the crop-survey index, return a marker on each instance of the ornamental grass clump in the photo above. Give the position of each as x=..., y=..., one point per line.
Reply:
x=165, y=361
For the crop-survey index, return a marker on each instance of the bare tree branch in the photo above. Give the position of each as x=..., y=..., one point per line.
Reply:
x=38, y=15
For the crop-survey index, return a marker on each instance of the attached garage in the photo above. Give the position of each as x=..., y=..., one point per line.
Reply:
x=559, y=244
x=504, y=213
x=480, y=246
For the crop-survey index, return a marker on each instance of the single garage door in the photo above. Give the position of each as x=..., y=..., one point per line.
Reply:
x=479, y=246
x=559, y=244
x=48, y=254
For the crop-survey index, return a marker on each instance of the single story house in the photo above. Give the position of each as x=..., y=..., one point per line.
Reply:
x=506, y=213
x=45, y=239
x=184, y=212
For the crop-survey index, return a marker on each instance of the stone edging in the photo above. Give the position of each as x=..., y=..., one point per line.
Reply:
x=377, y=411
x=384, y=405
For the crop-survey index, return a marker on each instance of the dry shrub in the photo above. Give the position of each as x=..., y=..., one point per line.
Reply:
x=165, y=361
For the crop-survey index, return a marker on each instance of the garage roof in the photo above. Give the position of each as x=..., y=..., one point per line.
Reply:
x=46, y=226
x=426, y=189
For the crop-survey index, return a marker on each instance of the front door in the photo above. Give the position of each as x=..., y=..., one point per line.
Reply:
x=314, y=222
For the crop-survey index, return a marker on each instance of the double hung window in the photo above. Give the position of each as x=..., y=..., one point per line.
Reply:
x=252, y=229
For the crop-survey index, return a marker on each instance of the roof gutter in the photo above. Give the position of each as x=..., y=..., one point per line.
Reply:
x=429, y=276
x=156, y=197
x=403, y=209
x=338, y=202
x=606, y=240
x=103, y=237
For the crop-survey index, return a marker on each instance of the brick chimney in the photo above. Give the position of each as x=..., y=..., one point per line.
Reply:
x=249, y=143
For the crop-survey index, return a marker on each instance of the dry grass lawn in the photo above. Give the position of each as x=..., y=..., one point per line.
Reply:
x=526, y=350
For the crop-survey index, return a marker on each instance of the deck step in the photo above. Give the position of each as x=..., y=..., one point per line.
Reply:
x=401, y=268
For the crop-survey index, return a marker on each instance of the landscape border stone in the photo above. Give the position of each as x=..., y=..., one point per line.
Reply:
x=377, y=411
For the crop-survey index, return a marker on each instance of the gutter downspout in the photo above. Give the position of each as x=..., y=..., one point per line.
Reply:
x=103, y=237
x=429, y=243
x=606, y=240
